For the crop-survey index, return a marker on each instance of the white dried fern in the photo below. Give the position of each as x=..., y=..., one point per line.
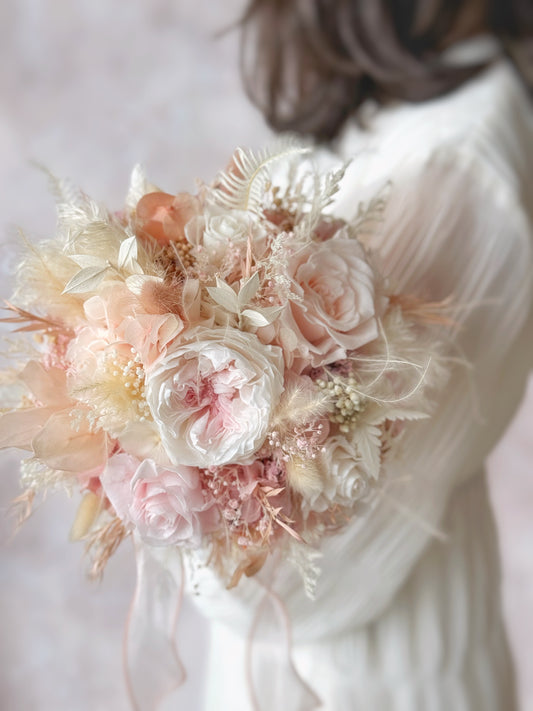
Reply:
x=305, y=559
x=63, y=190
x=242, y=186
x=319, y=196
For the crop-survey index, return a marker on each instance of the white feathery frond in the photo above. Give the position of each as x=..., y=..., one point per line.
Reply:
x=320, y=192
x=139, y=186
x=305, y=559
x=63, y=190
x=371, y=214
x=298, y=405
x=242, y=185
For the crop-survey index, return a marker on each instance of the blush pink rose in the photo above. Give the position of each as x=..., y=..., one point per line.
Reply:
x=212, y=397
x=336, y=307
x=167, y=506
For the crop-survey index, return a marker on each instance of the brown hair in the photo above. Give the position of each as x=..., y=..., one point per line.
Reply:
x=310, y=64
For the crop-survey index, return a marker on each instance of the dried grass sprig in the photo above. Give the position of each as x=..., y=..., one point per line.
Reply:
x=21, y=508
x=426, y=312
x=33, y=321
x=102, y=543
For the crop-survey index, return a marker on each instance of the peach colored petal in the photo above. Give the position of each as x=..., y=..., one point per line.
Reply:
x=142, y=440
x=150, y=334
x=163, y=217
x=61, y=446
x=17, y=429
x=151, y=211
x=49, y=386
x=111, y=305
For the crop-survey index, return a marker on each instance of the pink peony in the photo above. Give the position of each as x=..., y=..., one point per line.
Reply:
x=167, y=506
x=212, y=397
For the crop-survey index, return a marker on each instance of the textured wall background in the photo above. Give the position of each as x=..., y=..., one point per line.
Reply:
x=88, y=88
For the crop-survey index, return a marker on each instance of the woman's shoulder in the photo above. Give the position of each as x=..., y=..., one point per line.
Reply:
x=460, y=171
x=488, y=121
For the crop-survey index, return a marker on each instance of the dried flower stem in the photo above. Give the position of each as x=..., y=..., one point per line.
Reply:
x=21, y=508
x=102, y=543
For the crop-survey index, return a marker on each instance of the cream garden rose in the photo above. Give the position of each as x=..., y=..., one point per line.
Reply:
x=344, y=480
x=212, y=397
x=335, y=311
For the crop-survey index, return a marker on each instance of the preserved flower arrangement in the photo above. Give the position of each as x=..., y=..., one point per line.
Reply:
x=226, y=371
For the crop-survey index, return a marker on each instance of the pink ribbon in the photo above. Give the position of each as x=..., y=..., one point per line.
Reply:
x=269, y=658
x=152, y=665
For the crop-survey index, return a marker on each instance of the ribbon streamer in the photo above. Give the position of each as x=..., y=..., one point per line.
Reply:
x=273, y=680
x=152, y=665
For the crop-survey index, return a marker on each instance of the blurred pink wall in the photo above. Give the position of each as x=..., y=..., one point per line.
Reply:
x=88, y=91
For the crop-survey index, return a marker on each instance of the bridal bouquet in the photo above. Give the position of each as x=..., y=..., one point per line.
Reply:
x=224, y=374
x=227, y=370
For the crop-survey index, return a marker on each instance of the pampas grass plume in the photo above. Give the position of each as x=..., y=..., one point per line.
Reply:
x=300, y=405
x=88, y=511
x=304, y=476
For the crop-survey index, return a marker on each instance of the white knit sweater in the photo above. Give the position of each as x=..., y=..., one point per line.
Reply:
x=405, y=621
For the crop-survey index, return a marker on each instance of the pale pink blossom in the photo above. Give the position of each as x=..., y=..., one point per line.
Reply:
x=150, y=334
x=212, y=397
x=167, y=506
x=240, y=490
x=110, y=306
x=46, y=426
x=238, y=484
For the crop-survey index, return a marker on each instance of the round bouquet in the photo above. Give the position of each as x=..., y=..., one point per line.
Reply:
x=226, y=371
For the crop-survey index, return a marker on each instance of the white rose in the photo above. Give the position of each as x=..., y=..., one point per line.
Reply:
x=212, y=397
x=344, y=481
x=220, y=235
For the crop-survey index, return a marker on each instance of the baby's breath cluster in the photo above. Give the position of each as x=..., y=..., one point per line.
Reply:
x=304, y=440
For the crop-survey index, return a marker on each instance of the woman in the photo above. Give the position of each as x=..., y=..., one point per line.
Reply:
x=407, y=613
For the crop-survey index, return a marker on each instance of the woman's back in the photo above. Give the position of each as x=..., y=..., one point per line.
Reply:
x=407, y=612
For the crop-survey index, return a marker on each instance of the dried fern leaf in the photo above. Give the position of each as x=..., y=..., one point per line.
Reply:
x=242, y=185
